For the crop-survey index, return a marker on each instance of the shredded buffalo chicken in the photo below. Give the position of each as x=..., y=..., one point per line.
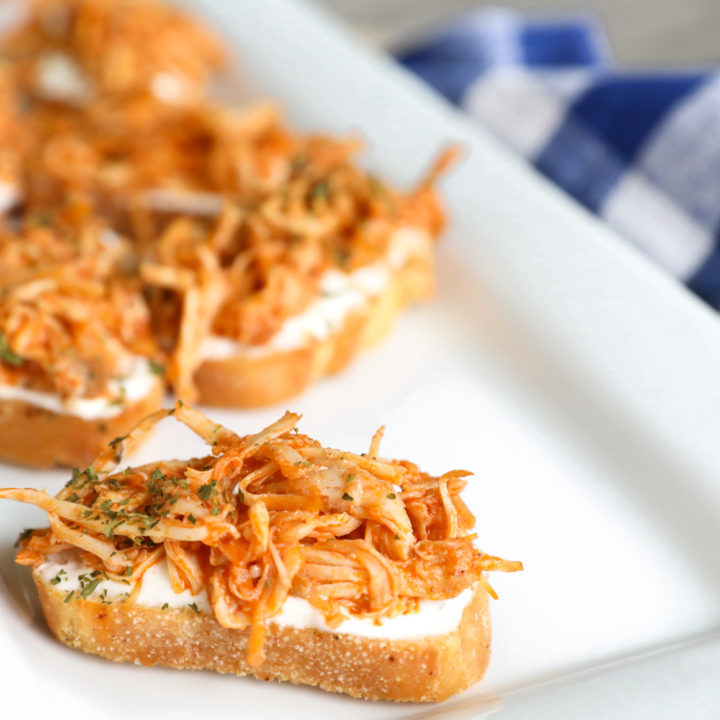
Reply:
x=232, y=217
x=122, y=48
x=72, y=317
x=267, y=516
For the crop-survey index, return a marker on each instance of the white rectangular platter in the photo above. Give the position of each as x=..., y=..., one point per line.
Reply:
x=580, y=384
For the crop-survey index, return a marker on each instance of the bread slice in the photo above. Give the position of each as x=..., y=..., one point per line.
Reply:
x=34, y=436
x=253, y=380
x=421, y=669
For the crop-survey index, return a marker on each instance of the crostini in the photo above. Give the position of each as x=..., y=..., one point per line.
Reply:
x=274, y=557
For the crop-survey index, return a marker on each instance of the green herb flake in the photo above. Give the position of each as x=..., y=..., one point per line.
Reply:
x=90, y=588
x=193, y=606
x=117, y=441
x=391, y=496
x=206, y=490
x=74, y=479
x=7, y=355
x=192, y=518
x=165, y=606
x=128, y=570
x=347, y=497
x=320, y=190
x=68, y=597
x=156, y=368
x=23, y=536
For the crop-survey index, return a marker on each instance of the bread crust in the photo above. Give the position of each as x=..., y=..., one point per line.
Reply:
x=34, y=436
x=249, y=381
x=423, y=669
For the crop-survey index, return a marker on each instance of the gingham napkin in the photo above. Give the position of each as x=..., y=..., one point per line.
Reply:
x=640, y=149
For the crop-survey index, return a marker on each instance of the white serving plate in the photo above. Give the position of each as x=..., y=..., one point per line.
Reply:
x=578, y=382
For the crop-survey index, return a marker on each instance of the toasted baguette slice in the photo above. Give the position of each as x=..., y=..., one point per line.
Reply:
x=422, y=669
x=256, y=380
x=34, y=436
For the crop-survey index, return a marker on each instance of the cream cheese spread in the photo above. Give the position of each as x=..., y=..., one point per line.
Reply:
x=340, y=294
x=134, y=385
x=434, y=617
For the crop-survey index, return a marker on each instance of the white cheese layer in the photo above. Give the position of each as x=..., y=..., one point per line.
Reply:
x=184, y=201
x=340, y=294
x=9, y=196
x=133, y=386
x=434, y=617
x=61, y=79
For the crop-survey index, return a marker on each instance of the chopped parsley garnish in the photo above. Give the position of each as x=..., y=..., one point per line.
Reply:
x=75, y=477
x=23, y=536
x=206, y=490
x=128, y=570
x=58, y=578
x=117, y=441
x=156, y=474
x=68, y=597
x=298, y=163
x=156, y=368
x=193, y=606
x=391, y=496
x=165, y=606
x=192, y=518
x=347, y=497
x=320, y=190
x=7, y=355
x=89, y=588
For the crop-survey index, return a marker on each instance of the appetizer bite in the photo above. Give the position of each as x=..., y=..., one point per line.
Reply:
x=273, y=556
x=284, y=289
x=75, y=344
x=256, y=259
x=76, y=52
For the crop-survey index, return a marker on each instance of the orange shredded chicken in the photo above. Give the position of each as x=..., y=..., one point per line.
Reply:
x=116, y=48
x=233, y=218
x=265, y=517
x=72, y=317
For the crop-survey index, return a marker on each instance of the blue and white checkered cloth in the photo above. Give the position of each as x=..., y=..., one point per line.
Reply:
x=640, y=149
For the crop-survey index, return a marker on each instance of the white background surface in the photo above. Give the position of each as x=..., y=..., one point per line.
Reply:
x=577, y=381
